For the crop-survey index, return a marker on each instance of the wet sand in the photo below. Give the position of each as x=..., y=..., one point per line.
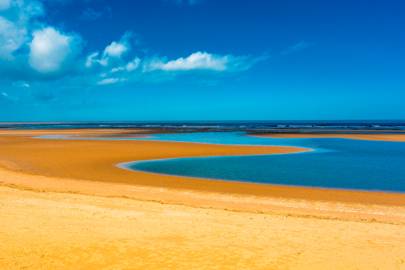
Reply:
x=64, y=204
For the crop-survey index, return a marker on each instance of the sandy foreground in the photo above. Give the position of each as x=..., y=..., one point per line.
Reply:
x=64, y=205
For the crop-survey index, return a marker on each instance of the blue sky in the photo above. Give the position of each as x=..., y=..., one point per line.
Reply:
x=65, y=60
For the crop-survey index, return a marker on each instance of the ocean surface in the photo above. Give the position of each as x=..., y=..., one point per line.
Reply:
x=333, y=163
x=275, y=126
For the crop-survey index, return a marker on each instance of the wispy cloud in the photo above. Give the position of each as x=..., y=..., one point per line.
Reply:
x=109, y=81
x=195, y=61
x=202, y=61
x=15, y=24
x=118, y=64
x=128, y=67
x=111, y=53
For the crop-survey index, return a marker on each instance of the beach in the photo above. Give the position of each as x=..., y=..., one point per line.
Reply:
x=65, y=204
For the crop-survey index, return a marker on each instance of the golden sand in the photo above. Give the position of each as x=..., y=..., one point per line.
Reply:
x=67, y=231
x=65, y=205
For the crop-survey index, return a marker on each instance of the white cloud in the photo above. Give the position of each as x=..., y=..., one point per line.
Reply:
x=51, y=49
x=111, y=54
x=117, y=69
x=46, y=50
x=109, y=81
x=132, y=65
x=91, y=59
x=129, y=67
x=115, y=49
x=201, y=61
x=112, y=65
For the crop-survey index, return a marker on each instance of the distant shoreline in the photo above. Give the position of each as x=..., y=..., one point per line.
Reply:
x=253, y=127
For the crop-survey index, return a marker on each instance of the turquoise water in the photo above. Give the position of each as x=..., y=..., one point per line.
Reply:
x=334, y=163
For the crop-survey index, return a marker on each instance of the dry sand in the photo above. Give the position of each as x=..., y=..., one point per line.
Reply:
x=64, y=205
